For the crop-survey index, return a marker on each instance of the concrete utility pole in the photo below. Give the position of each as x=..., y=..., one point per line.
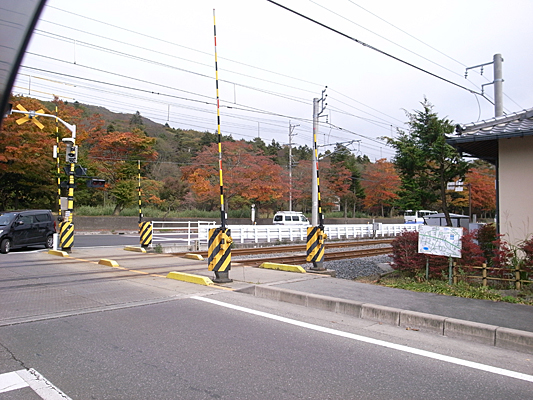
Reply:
x=497, y=61
x=498, y=85
x=314, y=182
x=291, y=134
x=318, y=109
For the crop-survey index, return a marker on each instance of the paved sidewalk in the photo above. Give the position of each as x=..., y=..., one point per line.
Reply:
x=515, y=316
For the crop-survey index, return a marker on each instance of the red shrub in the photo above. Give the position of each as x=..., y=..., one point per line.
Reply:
x=405, y=256
x=471, y=253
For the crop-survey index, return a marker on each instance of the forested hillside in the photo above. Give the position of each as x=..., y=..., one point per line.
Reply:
x=179, y=169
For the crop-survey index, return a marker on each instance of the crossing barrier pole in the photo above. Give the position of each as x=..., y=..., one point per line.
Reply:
x=220, y=241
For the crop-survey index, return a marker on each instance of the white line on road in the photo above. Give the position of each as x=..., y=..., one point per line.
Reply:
x=407, y=349
x=11, y=381
x=24, y=378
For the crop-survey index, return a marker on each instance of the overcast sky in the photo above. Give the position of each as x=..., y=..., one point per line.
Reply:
x=158, y=58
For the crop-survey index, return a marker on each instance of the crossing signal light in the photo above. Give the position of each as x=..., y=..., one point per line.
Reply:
x=80, y=171
x=96, y=183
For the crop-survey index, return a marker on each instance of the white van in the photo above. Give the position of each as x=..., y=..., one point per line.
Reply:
x=290, y=218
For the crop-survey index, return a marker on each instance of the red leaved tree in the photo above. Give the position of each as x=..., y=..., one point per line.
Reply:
x=381, y=184
x=249, y=177
x=115, y=155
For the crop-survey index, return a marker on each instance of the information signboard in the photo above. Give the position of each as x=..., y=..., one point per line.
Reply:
x=440, y=240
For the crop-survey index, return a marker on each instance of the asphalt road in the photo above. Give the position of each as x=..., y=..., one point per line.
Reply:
x=126, y=336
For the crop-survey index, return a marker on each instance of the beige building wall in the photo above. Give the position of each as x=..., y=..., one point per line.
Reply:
x=516, y=188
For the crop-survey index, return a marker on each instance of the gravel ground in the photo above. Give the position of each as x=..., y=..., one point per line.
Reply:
x=356, y=267
x=347, y=269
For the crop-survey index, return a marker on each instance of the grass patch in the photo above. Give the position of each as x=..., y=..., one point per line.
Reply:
x=461, y=289
x=151, y=212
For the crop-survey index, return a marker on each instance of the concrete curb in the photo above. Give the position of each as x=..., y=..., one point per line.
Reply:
x=193, y=256
x=109, y=263
x=135, y=248
x=283, y=267
x=58, y=253
x=506, y=338
x=182, y=276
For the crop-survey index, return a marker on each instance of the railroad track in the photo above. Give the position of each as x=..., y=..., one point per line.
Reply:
x=300, y=259
x=272, y=253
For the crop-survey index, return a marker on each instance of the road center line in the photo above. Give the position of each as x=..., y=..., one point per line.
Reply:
x=382, y=343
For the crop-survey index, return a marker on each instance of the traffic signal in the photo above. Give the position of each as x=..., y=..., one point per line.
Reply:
x=96, y=183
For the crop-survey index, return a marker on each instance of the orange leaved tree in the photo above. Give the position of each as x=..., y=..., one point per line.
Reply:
x=381, y=184
x=115, y=155
x=249, y=177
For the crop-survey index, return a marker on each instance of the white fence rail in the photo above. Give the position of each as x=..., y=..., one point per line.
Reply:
x=181, y=232
x=270, y=233
x=197, y=232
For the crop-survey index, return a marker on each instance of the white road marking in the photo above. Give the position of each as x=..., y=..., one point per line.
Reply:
x=11, y=381
x=38, y=383
x=399, y=347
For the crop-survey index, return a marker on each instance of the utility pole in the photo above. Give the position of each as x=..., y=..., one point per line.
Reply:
x=497, y=61
x=315, y=234
x=291, y=134
x=318, y=109
x=498, y=85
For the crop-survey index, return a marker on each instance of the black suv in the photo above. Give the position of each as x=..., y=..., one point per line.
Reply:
x=26, y=228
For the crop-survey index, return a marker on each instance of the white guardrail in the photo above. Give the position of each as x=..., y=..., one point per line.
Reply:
x=198, y=231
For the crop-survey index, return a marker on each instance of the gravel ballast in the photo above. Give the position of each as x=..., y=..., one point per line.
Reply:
x=356, y=267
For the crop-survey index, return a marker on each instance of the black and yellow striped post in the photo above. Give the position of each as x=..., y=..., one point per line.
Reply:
x=139, y=190
x=315, y=246
x=219, y=254
x=58, y=169
x=66, y=235
x=220, y=241
x=145, y=232
x=58, y=172
x=67, y=229
x=315, y=234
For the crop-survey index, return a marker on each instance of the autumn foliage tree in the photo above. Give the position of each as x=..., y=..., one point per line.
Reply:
x=27, y=168
x=249, y=177
x=115, y=155
x=334, y=183
x=381, y=184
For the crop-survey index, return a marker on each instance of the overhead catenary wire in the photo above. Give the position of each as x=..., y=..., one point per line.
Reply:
x=374, y=48
x=428, y=45
x=168, y=42
x=163, y=118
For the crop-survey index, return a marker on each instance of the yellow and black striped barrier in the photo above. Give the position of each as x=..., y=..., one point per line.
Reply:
x=66, y=235
x=219, y=253
x=315, y=247
x=145, y=232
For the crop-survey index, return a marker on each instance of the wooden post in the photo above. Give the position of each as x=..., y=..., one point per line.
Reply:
x=484, y=274
x=517, y=277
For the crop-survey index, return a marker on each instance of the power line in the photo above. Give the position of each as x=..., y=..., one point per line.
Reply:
x=197, y=51
x=374, y=48
x=426, y=44
x=388, y=40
